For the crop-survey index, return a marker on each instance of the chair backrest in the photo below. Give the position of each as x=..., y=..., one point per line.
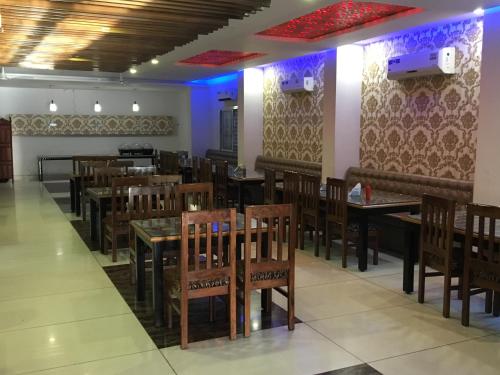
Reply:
x=165, y=179
x=121, y=163
x=336, y=200
x=483, y=232
x=291, y=187
x=194, y=197
x=203, y=232
x=104, y=176
x=86, y=172
x=269, y=186
x=148, y=202
x=437, y=228
x=196, y=169
x=141, y=171
x=309, y=193
x=221, y=176
x=206, y=170
x=119, y=195
x=169, y=162
x=270, y=219
x=78, y=159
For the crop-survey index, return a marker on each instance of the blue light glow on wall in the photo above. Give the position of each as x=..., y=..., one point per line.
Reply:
x=216, y=80
x=492, y=10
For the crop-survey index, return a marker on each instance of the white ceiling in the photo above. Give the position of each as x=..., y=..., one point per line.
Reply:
x=240, y=36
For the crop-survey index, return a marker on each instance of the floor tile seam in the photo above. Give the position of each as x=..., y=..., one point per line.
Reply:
x=333, y=342
x=51, y=273
x=357, y=312
x=85, y=362
x=321, y=284
x=429, y=349
x=168, y=362
x=55, y=294
x=65, y=323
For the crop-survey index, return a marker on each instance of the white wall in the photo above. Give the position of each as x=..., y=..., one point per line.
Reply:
x=487, y=176
x=205, y=116
x=171, y=101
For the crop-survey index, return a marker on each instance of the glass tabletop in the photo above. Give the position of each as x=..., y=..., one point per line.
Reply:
x=102, y=192
x=382, y=198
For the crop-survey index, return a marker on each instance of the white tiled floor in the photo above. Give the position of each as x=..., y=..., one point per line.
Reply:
x=60, y=314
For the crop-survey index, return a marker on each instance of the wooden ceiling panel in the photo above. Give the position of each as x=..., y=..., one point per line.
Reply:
x=108, y=35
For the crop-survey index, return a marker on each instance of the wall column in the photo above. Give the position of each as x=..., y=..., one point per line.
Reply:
x=487, y=176
x=342, y=122
x=250, y=117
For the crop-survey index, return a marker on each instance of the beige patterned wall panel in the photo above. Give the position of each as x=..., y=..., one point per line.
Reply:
x=99, y=125
x=426, y=125
x=293, y=123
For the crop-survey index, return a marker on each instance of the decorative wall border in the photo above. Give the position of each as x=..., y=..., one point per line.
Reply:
x=92, y=125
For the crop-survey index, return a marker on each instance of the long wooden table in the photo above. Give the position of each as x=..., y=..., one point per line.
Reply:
x=162, y=234
x=100, y=202
x=243, y=184
x=381, y=203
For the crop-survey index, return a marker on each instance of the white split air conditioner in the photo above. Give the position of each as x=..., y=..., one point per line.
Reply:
x=297, y=85
x=422, y=64
x=226, y=95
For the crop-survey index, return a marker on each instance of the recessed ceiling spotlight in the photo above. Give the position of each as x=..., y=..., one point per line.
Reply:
x=97, y=107
x=479, y=11
x=133, y=70
x=105, y=29
x=155, y=61
x=52, y=106
x=135, y=107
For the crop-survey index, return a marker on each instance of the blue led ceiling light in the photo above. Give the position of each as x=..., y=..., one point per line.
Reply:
x=216, y=80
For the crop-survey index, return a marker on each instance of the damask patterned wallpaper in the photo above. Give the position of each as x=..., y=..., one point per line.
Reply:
x=85, y=125
x=293, y=123
x=428, y=125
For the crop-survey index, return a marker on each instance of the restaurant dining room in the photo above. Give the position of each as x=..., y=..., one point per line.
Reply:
x=224, y=187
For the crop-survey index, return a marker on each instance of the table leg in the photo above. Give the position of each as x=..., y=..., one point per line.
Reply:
x=100, y=223
x=158, y=284
x=140, y=265
x=77, y=199
x=72, y=194
x=363, y=243
x=266, y=296
x=93, y=219
x=496, y=304
x=40, y=170
x=241, y=199
x=409, y=259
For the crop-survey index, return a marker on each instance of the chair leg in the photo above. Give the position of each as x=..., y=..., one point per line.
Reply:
x=344, y=246
x=460, y=288
x=488, y=303
x=232, y=309
x=114, y=245
x=247, y=298
x=465, y=301
x=184, y=322
x=421, y=281
x=447, y=295
x=375, y=251
x=328, y=241
x=301, y=236
x=291, y=304
x=316, y=237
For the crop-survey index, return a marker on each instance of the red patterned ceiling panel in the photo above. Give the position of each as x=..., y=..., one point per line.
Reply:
x=335, y=19
x=214, y=58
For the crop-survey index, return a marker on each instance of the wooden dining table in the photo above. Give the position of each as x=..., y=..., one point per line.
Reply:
x=381, y=203
x=100, y=202
x=164, y=234
x=243, y=184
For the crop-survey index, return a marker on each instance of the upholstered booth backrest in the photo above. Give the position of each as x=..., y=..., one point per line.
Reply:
x=281, y=165
x=460, y=191
x=217, y=155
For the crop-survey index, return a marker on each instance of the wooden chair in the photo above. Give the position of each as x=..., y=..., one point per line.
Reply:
x=482, y=258
x=221, y=184
x=124, y=164
x=276, y=269
x=206, y=170
x=309, y=208
x=86, y=173
x=117, y=224
x=291, y=192
x=103, y=177
x=336, y=221
x=194, y=197
x=78, y=159
x=196, y=169
x=211, y=275
x=269, y=186
x=436, y=247
x=169, y=162
x=148, y=202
